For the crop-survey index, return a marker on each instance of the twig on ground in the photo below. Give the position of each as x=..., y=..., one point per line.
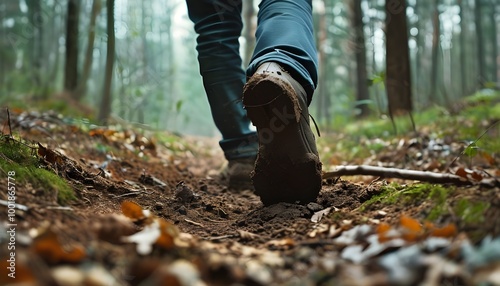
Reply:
x=425, y=176
x=193, y=222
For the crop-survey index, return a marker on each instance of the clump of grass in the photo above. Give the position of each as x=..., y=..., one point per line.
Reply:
x=470, y=212
x=22, y=159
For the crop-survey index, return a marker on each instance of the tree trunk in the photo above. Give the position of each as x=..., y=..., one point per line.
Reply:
x=35, y=42
x=479, y=43
x=359, y=48
x=105, y=109
x=89, y=52
x=463, y=67
x=249, y=30
x=71, y=65
x=322, y=80
x=398, y=83
x=436, y=33
x=494, y=42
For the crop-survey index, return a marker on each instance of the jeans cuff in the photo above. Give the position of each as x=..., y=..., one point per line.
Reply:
x=242, y=147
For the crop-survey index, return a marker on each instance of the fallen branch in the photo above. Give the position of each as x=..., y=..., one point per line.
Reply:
x=424, y=176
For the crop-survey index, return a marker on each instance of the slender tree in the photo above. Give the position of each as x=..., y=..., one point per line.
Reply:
x=248, y=30
x=89, y=52
x=71, y=65
x=462, y=54
x=322, y=107
x=359, y=49
x=105, y=108
x=494, y=41
x=480, y=43
x=398, y=83
x=436, y=33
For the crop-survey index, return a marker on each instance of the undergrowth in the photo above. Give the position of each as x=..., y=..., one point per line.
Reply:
x=21, y=158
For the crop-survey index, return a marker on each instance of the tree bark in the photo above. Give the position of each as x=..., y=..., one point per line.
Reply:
x=463, y=67
x=436, y=33
x=480, y=44
x=398, y=83
x=322, y=107
x=249, y=30
x=494, y=42
x=71, y=65
x=359, y=48
x=89, y=52
x=36, y=41
x=105, y=109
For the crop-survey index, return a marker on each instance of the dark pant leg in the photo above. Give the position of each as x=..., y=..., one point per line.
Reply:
x=285, y=35
x=218, y=24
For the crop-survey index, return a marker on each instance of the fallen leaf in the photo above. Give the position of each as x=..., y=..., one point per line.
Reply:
x=168, y=233
x=410, y=224
x=449, y=230
x=281, y=243
x=47, y=246
x=317, y=216
x=133, y=210
x=49, y=155
x=145, y=238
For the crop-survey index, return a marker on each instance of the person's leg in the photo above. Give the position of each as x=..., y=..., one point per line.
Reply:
x=283, y=75
x=218, y=24
x=285, y=35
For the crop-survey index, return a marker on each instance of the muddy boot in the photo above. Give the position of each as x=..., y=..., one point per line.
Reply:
x=287, y=167
x=238, y=173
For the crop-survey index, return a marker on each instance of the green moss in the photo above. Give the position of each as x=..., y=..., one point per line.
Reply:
x=21, y=158
x=435, y=195
x=471, y=212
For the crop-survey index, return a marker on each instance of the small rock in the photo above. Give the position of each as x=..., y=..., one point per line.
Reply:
x=314, y=207
x=68, y=276
x=158, y=206
x=98, y=276
x=184, y=193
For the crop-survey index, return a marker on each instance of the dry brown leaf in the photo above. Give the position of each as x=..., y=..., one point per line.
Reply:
x=447, y=231
x=168, y=233
x=410, y=224
x=49, y=155
x=48, y=247
x=132, y=210
x=461, y=172
x=22, y=273
x=281, y=243
x=476, y=176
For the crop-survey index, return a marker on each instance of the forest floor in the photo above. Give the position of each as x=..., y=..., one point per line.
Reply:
x=153, y=209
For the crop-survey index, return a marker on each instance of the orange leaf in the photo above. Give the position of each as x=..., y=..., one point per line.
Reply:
x=410, y=236
x=168, y=233
x=449, y=230
x=132, y=210
x=476, y=176
x=410, y=224
x=382, y=230
x=47, y=245
x=461, y=172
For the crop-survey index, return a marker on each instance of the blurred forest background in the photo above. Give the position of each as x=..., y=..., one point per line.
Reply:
x=136, y=60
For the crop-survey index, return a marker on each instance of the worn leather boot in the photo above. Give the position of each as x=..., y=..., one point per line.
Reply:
x=287, y=168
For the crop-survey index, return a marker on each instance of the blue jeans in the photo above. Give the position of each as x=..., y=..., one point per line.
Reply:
x=284, y=35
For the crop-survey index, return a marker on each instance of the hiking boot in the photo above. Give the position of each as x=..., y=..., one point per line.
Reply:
x=287, y=168
x=238, y=173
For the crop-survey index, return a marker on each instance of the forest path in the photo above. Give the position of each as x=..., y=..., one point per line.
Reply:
x=360, y=231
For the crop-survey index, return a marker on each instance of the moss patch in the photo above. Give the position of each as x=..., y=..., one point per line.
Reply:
x=22, y=159
x=435, y=195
